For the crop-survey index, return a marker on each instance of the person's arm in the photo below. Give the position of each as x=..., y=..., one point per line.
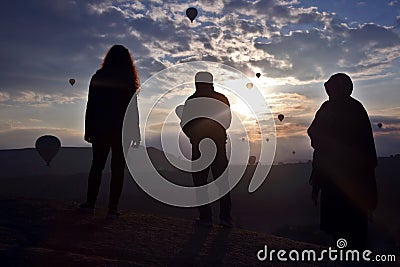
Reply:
x=89, y=115
x=228, y=114
x=136, y=129
x=318, y=131
x=367, y=140
x=186, y=118
x=369, y=161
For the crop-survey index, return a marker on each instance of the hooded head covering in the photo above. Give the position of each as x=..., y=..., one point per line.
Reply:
x=339, y=86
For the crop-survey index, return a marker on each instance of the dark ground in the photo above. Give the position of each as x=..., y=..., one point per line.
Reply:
x=49, y=231
x=39, y=232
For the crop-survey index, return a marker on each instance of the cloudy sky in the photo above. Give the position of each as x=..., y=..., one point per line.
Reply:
x=296, y=45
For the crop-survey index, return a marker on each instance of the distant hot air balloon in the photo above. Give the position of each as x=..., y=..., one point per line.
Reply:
x=47, y=146
x=252, y=160
x=249, y=85
x=258, y=74
x=72, y=82
x=179, y=111
x=281, y=117
x=191, y=13
x=380, y=125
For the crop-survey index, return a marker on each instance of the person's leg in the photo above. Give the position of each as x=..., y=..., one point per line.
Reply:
x=199, y=179
x=100, y=150
x=358, y=229
x=117, y=174
x=218, y=168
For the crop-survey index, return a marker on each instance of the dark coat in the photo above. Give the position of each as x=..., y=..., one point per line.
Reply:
x=206, y=126
x=343, y=164
x=109, y=97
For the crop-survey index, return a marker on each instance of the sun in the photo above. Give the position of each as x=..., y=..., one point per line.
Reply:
x=240, y=108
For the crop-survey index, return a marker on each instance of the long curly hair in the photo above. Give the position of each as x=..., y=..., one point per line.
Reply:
x=118, y=59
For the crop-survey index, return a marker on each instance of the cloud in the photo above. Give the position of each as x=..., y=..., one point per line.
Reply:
x=281, y=38
x=5, y=125
x=4, y=96
x=49, y=42
x=23, y=137
x=34, y=120
x=390, y=125
x=290, y=104
x=367, y=50
x=32, y=98
x=44, y=43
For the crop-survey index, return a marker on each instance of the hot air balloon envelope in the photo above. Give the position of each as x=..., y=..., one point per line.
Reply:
x=191, y=13
x=281, y=117
x=72, y=82
x=47, y=146
x=249, y=85
x=258, y=75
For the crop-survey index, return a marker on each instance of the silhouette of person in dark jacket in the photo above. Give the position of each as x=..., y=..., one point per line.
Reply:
x=206, y=114
x=344, y=163
x=110, y=91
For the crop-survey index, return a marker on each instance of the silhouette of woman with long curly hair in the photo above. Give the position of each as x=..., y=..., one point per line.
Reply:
x=110, y=91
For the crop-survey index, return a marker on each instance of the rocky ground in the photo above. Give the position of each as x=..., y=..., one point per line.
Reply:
x=41, y=232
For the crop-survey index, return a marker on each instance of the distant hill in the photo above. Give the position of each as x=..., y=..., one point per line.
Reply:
x=39, y=232
x=68, y=161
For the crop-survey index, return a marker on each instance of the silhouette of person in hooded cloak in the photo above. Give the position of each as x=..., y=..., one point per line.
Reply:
x=344, y=163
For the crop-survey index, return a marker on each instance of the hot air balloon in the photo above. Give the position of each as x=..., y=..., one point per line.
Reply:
x=249, y=85
x=380, y=125
x=252, y=160
x=47, y=146
x=191, y=13
x=281, y=117
x=179, y=111
x=258, y=74
x=72, y=82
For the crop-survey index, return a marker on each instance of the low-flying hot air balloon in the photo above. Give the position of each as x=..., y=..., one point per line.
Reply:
x=252, y=160
x=47, y=146
x=281, y=117
x=191, y=13
x=72, y=82
x=380, y=125
x=258, y=74
x=249, y=85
